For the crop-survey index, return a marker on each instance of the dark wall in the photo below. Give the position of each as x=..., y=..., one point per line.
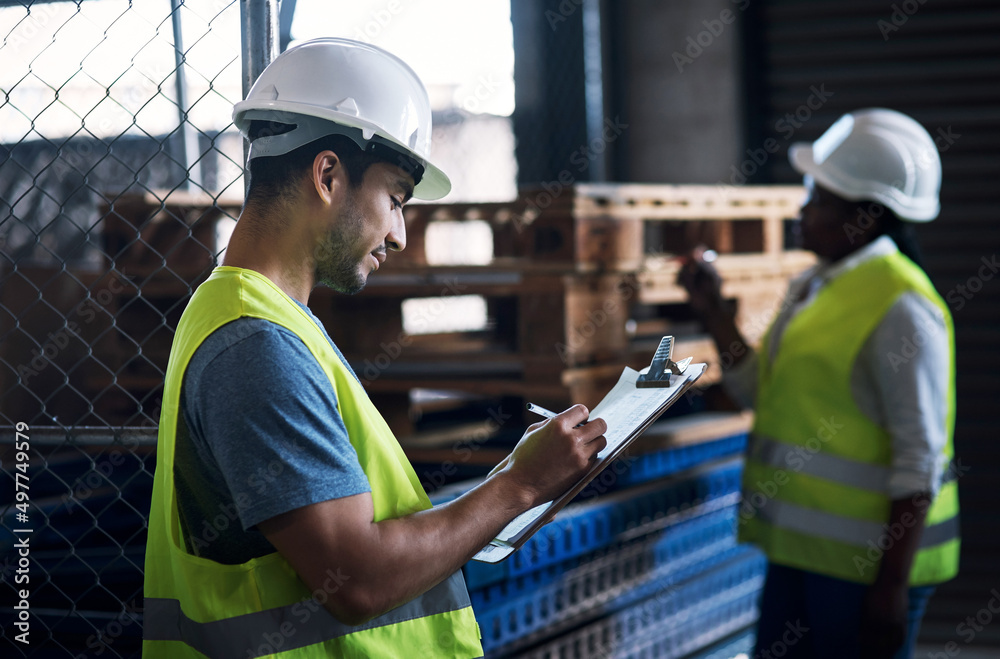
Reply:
x=808, y=63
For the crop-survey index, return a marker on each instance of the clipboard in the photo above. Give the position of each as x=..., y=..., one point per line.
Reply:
x=632, y=405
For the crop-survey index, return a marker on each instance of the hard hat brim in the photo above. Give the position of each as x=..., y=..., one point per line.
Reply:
x=802, y=158
x=434, y=184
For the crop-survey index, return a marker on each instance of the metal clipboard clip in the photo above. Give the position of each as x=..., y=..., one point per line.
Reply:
x=658, y=373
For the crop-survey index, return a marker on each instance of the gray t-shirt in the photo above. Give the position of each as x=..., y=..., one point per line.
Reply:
x=260, y=435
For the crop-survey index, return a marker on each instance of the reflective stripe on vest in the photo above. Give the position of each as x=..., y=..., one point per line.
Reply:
x=862, y=475
x=844, y=529
x=163, y=620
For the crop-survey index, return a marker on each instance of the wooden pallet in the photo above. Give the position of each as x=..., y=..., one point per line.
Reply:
x=535, y=315
x=590, y=227
x=580, y=285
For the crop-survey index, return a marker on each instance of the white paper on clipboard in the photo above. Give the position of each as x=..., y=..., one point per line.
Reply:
x=628, y=411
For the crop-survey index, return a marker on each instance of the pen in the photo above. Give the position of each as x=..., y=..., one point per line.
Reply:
x=548, y=414
x=540, y=411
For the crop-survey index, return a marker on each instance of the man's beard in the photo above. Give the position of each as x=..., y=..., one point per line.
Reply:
x=337, y=261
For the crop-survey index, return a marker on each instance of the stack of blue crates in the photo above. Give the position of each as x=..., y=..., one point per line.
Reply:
x=642, y=564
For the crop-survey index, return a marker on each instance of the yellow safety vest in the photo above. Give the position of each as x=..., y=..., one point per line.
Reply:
x=814, y=485
x=196, y=607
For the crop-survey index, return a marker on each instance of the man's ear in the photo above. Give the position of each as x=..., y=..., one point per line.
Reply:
x=328, y=176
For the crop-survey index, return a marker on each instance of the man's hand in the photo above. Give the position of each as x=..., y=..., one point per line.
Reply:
x=884, y=619
x=390, y=562
x=555, y=454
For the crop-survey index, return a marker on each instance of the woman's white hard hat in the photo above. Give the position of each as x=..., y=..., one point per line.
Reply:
x=338, y=86
x=876, y=155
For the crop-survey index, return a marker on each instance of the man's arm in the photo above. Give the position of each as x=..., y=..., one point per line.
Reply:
x=390, y=562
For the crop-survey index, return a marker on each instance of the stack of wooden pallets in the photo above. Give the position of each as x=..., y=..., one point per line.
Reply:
x=580, y=286
x=581, y=283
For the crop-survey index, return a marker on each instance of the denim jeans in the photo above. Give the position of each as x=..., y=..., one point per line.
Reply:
x=808, y=615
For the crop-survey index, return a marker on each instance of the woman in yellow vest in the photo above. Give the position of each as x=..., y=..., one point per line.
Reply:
x=848, y=486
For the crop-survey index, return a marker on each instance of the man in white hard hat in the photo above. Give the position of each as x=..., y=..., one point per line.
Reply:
x=847, y=487
x=285, y=516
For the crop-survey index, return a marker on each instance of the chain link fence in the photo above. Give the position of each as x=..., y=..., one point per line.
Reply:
x=120, y=174
x=120, y=181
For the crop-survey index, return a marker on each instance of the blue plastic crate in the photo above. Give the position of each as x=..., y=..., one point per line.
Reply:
x=741, y=643
x=729, y=616
x=632, y=470
x=688, y=536
x=587, y=526
x=637, y=469
x=610, y=582
x=674, y=622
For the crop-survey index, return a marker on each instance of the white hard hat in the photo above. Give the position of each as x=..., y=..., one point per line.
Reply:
x=876, y=155
x=338, y=86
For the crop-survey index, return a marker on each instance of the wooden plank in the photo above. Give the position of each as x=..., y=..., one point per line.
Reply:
x=580, y=319
x=584, y=323
x=587, y=385
x=653, y=201
x=774, y=235
x=608, y=241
